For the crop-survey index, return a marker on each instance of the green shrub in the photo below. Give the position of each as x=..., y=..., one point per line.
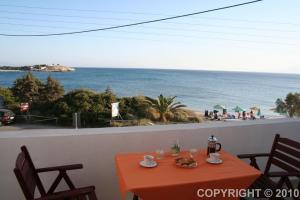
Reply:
x=134, y=107
x=10, y=101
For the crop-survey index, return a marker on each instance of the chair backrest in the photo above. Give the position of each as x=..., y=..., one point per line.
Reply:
x=285, y=154
x=27, y=176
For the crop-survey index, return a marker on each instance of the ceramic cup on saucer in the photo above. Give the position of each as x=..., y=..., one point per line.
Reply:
x=148, y=159
x=215, y=157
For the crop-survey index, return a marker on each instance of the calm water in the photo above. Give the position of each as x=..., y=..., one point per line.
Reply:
x=199, y=90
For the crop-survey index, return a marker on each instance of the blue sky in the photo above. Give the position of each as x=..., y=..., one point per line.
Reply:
x=262, y=37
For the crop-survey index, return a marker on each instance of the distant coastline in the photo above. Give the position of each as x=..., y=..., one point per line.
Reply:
x=41, y=68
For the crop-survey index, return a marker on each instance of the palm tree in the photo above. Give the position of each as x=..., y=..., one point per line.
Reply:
x=280, y=106
x=291, y=105
x=164, y=105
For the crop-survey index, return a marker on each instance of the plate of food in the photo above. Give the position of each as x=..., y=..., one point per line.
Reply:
x=186, y=162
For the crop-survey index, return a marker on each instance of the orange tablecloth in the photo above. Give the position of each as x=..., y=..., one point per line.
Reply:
x=169, y=182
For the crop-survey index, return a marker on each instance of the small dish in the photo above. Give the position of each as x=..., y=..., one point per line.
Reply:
x=147, y=164
x=214, y=161
x=185, y=162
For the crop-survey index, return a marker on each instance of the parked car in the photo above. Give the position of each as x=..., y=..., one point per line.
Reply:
x=6, y=116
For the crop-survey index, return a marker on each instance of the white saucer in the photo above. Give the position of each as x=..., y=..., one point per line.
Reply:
x=211, y=161
x=148, y=165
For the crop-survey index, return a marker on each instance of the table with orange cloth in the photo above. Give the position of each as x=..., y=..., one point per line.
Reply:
x=170, y=182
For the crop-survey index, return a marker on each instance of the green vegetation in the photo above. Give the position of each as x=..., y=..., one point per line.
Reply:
x=175, y=149
x=9, y=99
x=140, y=122
x=290, y=106
x=165, y=106
x=51, y=91
x=135, y=108
x=27, y=88
x=49, y=99
x=94, y=108
x=40, y=96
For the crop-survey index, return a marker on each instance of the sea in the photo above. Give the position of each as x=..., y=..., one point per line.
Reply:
x=198, y=90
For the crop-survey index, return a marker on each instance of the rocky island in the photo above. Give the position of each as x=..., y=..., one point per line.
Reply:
x=41, y=67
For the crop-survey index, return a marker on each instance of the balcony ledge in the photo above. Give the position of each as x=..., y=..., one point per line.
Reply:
x=137, y=129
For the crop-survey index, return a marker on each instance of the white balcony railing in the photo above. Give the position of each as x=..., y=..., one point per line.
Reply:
x=96, y=148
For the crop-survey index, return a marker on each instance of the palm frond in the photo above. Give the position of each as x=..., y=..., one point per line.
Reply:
x=150, y=100
x=176, y=103
x=177, y=107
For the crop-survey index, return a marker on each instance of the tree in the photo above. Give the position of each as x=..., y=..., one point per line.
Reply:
x=280, y=106
x=165, y=105
x=134, y=107
x=52, y=90
x=9, y=100
x=291, y=105
x=80, y=100
x=27, y=88
x=93, y=107
x=108, y=90
x=107, y=98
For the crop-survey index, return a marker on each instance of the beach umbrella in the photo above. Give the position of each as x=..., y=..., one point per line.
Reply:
x=258, y=112
x=219, y=107
x=238, y=109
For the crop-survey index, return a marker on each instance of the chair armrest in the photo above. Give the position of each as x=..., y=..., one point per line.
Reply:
x=282, y=174
x=60, y=168
x=253, y=155
x=68, y=193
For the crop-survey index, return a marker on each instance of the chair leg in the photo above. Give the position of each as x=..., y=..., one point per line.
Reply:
x=92, y=196
x=135, y=197
x=81, y=198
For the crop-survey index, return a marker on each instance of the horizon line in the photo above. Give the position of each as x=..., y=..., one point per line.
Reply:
x=164, y=68
x=189, y=69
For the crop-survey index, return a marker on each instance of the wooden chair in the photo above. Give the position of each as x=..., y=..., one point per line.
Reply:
x=29, y=180
x=285, y=154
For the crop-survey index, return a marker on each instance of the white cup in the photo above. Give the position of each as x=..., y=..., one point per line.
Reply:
x=148, y=159
x=214, y=156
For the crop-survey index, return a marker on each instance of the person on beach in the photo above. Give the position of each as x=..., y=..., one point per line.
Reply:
x=224, y=113
x=244, y=115
x=211, y=115
x=216, y=116
x=206, y=114
x=252, y=115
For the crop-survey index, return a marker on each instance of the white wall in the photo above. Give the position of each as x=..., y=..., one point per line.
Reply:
x=96, y=148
